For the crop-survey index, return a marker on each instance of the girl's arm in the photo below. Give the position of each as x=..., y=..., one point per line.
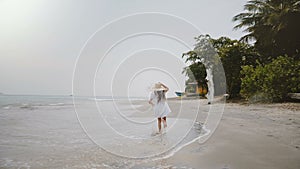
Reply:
x=167, y=89
x=150, y=102
x=151, y=98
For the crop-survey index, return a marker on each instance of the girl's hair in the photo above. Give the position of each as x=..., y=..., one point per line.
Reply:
x=161, y=95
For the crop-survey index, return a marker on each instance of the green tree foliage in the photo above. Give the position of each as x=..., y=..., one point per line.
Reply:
x=196, y=72
x=205, y=54
x=274, y=25
x=234, y=54
x=271, y=82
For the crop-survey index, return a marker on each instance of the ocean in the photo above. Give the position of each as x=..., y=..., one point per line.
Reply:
x=86, y=132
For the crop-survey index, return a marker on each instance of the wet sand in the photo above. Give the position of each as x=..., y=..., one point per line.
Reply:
x=249, y=136
x=48, y=135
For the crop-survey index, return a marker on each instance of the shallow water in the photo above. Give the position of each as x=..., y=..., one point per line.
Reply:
x=44, y=132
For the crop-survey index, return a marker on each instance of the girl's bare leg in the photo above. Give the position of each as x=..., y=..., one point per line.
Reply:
x=164, y=119
x=159, y=124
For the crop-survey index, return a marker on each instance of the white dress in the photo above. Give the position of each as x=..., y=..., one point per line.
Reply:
x=161, y=109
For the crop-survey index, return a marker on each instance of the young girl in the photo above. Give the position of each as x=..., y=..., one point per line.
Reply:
x=158, y=101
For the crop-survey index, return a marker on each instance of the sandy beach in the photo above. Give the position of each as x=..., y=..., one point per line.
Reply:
x=45, y=133
x=262, y=136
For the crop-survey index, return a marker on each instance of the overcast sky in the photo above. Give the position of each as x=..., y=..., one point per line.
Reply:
x=41, y=39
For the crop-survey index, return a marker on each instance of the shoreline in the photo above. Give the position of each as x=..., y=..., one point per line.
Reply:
x=248, y=136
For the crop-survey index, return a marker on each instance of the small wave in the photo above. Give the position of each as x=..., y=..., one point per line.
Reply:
x=6, y=107
x=30, y=106
x=117, y=99
x=205, y=132
x=101, y=99
x=9, y=163
x=27, y=106
x=56, y=104
x=10, y=106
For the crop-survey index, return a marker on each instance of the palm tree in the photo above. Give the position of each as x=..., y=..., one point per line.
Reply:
x=267, y=22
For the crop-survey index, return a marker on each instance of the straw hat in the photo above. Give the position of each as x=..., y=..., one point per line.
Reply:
x=158, y=87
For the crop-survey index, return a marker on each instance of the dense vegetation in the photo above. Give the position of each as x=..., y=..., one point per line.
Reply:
x=265, y=62
x=271, y=82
